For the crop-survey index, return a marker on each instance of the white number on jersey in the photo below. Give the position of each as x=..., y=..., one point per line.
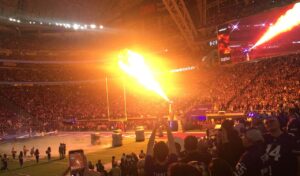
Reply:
x=275, y=153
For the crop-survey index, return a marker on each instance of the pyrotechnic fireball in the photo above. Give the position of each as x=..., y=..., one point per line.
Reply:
x=134, y=65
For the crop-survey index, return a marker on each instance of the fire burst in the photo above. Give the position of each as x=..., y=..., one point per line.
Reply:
x=285, y=23
x=137, y=68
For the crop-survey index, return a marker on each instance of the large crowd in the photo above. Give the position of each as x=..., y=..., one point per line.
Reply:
x=265, y=145
x=237, y=149
x=48, y=97
x=267, y=85
x=48, y=73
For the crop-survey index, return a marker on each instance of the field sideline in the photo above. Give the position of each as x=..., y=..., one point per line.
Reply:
x=75, y=140
x=56, y=167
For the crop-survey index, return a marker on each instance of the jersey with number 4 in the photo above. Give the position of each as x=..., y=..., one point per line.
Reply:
x=279, y=150
x=253, y=162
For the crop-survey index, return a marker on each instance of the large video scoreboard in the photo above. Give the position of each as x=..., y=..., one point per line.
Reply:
x=224, y=50
x=237, y=37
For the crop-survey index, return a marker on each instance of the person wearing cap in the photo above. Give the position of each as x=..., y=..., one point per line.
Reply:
x=254, y=161
x=280, y=147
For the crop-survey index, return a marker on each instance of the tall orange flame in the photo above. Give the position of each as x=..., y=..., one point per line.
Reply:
x=134, y=65
x=285, y=23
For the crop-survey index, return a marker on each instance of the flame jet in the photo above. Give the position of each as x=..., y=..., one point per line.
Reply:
x=134, y=65
x=284, y=23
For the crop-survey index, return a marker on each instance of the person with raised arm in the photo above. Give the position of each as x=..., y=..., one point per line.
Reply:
x=160, y=155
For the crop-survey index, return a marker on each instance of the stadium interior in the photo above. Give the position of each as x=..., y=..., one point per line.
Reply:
x=150, y=87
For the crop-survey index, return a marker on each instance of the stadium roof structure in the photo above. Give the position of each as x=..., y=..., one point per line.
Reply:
x=110, y=21
x=63, y=11
x=181, y=26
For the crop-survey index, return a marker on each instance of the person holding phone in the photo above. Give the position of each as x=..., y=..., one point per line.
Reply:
x=78, y=165
x=160, y=155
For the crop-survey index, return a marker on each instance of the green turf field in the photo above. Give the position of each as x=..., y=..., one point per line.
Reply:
x=56, y=167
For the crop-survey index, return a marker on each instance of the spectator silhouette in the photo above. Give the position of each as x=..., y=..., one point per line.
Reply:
x=230, y=147
x=159, y=156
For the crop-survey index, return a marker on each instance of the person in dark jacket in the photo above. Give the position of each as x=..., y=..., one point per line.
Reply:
x=100, y=167
x=159, y=155
x=192, y=153
x=21, y=159
x=32, y=151
x=230, y=147
x=219, y=167
x=13, y=153
x=25, y=150
x=48, y=152
x=293, y=127
x=280, y=148
x=4, y=161
x=254, y=161
x=181, y=169
x=37, y=155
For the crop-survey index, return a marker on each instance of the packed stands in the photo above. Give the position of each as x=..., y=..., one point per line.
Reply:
x=263, y=85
